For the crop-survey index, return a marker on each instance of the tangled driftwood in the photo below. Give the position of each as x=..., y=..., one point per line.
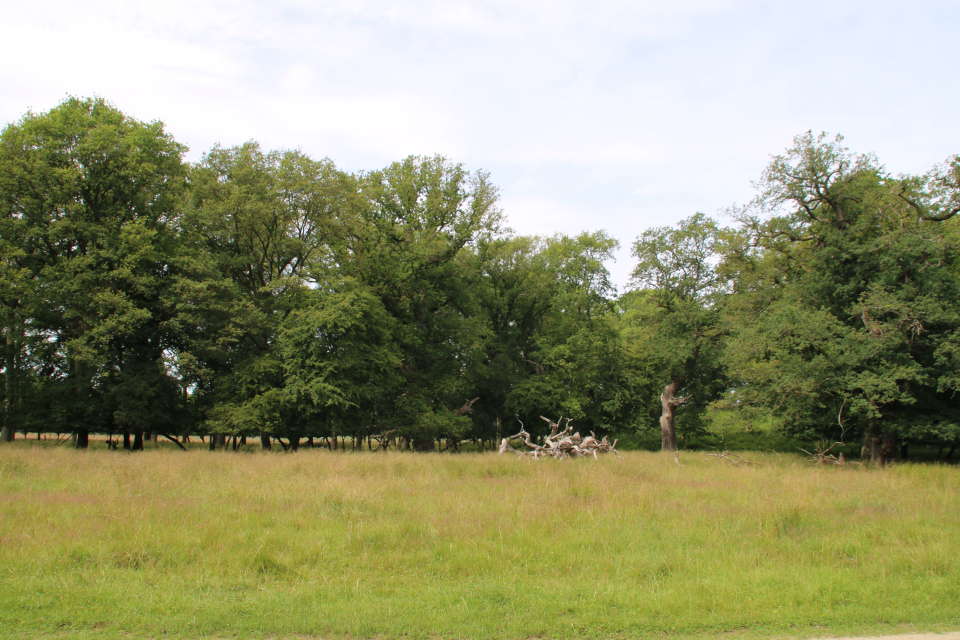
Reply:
x=559, y=445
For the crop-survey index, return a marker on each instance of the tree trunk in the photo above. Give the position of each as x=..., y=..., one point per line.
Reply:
x=81, y=437
x=871, y=443
x=888, y=450
x=126, y=440
x=668, y=416
x=424, y=441
x=265, y=441
x=138, y=440
x=9, y=397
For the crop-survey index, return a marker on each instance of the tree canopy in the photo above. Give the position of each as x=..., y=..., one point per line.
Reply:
x=272, y=295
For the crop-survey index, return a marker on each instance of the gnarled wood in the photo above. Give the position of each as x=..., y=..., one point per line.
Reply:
x=559, y=444
x=668, y=416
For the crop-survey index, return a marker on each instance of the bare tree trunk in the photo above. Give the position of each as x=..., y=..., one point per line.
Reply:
x=265, y=441
x=81, y=437
x=668, y=416
x=126, y=440
x=424, y=442
x=138, y=440
x=871, y=443
x=10, y=395
x=888, y=450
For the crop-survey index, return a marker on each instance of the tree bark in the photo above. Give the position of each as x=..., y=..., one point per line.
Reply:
x=10, y=388
x=126, y=440
x=888, y=448
x=138, y=440
x=265, y=442
x=668, y=416
x=81, y=439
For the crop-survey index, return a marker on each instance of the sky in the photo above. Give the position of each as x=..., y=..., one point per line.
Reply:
x=588, y=115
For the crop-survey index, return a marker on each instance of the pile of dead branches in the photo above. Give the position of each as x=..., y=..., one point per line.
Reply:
x=559, y=444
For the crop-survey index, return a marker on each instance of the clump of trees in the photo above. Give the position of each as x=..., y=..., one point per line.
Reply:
x=267, y=294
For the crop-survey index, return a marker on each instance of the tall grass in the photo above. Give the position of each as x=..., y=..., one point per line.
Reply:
x=197, y=544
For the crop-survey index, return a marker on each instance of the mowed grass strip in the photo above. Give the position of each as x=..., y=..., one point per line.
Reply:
x=318, y=544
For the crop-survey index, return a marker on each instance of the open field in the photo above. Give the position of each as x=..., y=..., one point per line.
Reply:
x=101, y=544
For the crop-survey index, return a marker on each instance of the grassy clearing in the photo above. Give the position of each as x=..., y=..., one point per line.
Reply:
x=196, y=544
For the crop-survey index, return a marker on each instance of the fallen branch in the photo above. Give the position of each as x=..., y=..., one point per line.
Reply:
x=173, y=440
x=822, y=455
x=383, y=439
x=732, y=458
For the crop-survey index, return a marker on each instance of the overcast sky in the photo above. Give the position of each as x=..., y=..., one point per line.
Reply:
x=599, y=114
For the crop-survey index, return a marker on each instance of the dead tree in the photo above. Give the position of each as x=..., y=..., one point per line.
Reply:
x=559, y=444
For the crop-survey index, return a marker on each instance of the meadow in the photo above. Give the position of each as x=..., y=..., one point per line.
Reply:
x=319, y=544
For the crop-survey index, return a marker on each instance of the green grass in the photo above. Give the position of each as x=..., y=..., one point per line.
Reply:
x=196, y=544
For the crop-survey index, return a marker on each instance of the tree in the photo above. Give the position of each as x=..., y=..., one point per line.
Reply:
x=847, y=312
x=338, y=356
x=672, y=324
x=402, y=240
x=547, y=331
x=265, y=218
x=89, y=197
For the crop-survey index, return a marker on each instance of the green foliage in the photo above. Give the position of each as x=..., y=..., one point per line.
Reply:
x=268, y=293
x=338, y=356
x=90, y=200
x=672, y=328
x=846, y=317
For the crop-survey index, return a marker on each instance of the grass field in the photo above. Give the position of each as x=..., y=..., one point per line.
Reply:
x=195, y=544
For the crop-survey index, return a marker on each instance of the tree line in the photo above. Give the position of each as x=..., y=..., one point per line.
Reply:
x=267, y=294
